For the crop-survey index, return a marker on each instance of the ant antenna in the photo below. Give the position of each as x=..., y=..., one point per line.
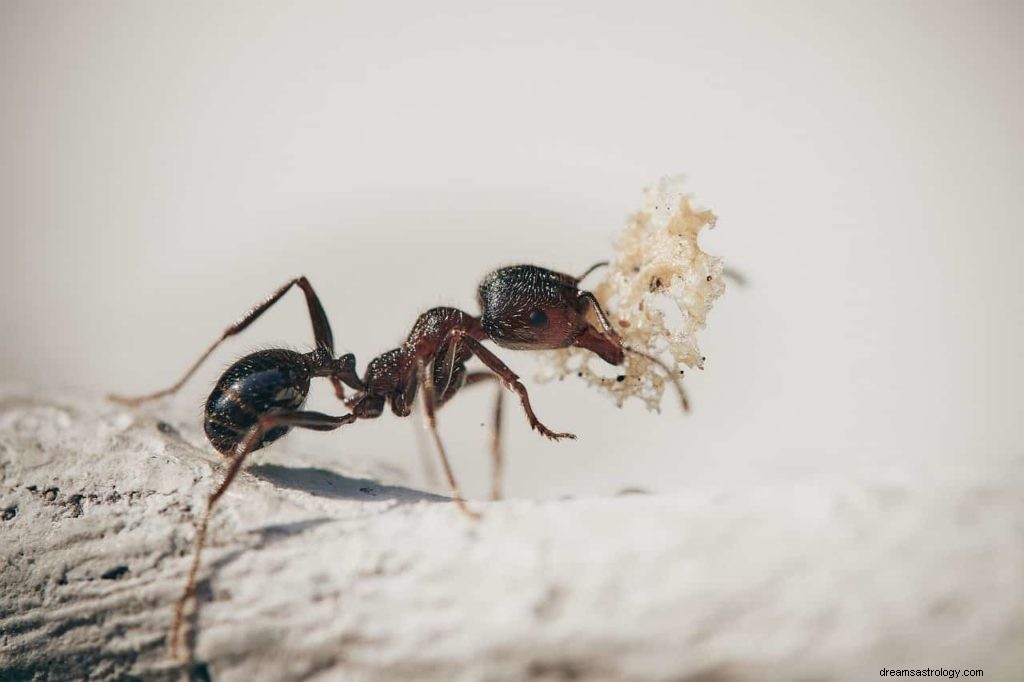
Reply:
x=669, y=374
x=589, y=270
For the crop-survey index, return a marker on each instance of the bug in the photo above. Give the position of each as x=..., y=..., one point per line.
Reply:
x=260, y=397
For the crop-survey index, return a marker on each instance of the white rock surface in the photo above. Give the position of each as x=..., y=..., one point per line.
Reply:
x=314, y=575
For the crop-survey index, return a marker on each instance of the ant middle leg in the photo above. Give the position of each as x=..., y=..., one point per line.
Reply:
x=426, y=388
x=321, y=334
x=497, y=451
x=316, y=421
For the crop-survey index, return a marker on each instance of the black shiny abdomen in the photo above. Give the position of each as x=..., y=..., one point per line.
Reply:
x=249, y=389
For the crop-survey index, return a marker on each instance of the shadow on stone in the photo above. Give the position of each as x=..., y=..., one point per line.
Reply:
x=324, y=483
x=270, y=534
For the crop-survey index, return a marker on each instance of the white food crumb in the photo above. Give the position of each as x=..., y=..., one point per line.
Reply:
x=658, y=269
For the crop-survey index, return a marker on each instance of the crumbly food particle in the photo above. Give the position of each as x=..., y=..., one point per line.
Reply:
x=657, y=292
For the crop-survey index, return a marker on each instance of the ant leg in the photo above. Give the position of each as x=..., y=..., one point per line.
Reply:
x=427, y=463
x=430, y=419
x=339, y=390
x=510, y=379
x=307, y=420
x=321, y=334
x=451, y=367
x=497, y=452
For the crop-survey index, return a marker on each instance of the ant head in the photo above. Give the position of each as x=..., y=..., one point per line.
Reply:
x=530, y=308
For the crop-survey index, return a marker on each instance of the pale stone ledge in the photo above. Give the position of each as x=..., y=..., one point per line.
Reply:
x=317, y=576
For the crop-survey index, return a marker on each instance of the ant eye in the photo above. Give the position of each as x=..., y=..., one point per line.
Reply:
x=538, y=318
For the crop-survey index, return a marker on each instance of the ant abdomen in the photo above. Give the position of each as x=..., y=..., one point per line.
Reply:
x=248, y=390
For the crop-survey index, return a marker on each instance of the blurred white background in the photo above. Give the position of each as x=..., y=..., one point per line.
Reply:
x=166, y=165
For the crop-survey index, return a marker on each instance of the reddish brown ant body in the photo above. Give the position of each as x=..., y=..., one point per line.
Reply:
x=260, y=397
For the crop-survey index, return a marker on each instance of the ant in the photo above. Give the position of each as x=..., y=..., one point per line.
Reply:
x=259, y=398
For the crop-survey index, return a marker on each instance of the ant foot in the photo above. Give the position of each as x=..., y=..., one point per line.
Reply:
x=461, y=504
x=545, y=431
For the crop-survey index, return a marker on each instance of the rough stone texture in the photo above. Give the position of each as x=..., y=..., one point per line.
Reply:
x=315, y=575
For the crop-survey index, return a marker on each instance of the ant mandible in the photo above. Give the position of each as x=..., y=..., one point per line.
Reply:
x=259, y=398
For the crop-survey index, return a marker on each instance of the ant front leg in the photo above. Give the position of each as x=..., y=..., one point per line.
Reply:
x=321, y=334
x=509, y=378
x=316, y=421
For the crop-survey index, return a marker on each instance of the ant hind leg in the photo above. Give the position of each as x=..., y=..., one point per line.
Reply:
x=321, y=334
x=303, y=419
